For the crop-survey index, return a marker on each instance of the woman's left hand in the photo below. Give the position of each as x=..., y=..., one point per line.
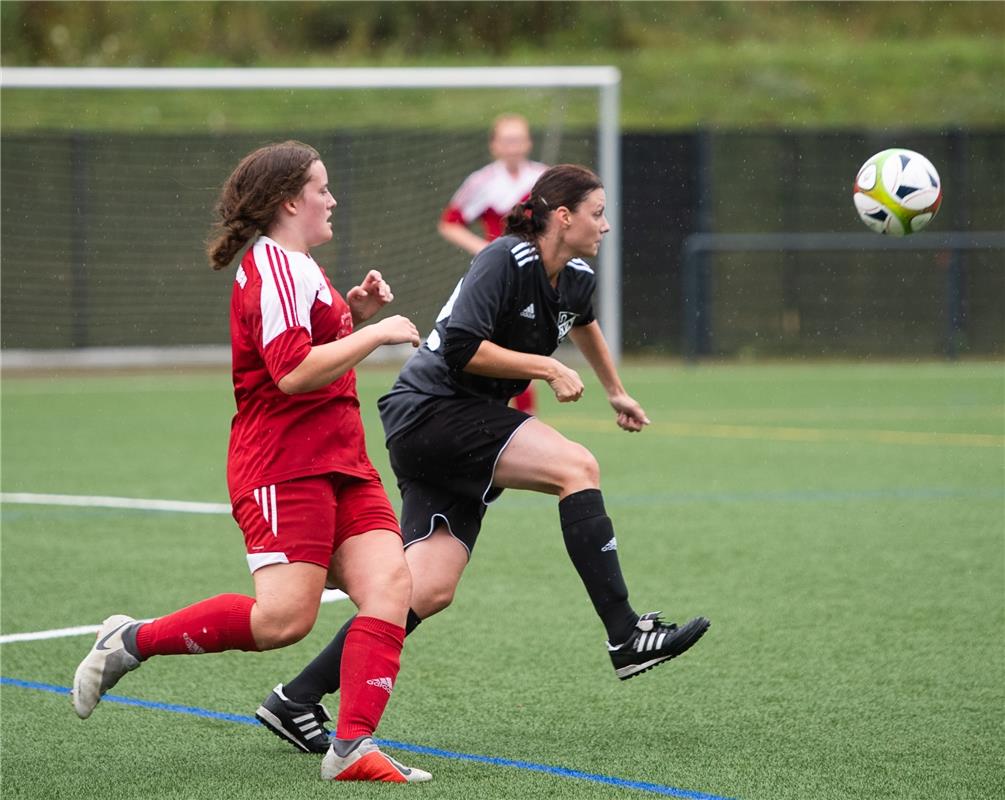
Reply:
x=369, y=297
x=631, y=416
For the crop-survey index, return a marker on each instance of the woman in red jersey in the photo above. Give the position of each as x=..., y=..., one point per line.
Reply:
x=310, y=503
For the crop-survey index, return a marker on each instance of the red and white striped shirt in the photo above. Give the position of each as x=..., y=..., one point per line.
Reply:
x=281, y=306
x=490, y=193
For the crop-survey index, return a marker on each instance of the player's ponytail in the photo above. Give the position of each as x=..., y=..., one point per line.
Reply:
x=529, y=218
x=228, y=241
x=252, y=194
x=563, y=185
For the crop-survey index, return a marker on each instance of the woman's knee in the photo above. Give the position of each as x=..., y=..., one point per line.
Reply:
x=295, y=630
x=433, y=598
x=437, y=564
x=580, y=469
x=282, y=626
x=398, y=582
x=390, y=586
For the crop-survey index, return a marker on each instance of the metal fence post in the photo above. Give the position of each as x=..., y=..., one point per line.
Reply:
x=700, y=290
x=956, y=301
x=689, y=301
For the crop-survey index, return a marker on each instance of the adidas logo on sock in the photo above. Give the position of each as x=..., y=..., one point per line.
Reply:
x=381, y=683
x=611, y=545
x=528, y=312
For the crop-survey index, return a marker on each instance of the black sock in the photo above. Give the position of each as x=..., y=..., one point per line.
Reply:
x=129, y=640
x=589, y=538
x=323, y=674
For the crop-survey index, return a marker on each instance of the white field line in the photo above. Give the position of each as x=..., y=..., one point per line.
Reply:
x=97, y=501
x=327, y=596
x=55, y=633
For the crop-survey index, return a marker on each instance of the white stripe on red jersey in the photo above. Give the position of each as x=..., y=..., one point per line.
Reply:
x=291, y=283
x=282, y=305
x=493, y=188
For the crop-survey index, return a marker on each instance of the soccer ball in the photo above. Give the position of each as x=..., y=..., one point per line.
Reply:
x=897, y=192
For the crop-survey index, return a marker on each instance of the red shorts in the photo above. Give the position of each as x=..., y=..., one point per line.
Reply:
x=308, y=519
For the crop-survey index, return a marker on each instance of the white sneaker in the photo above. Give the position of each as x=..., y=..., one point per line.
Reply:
x=364, y=761
x=104, y=665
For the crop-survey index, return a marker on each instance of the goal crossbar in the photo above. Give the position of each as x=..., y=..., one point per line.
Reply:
x=306, y=78
x=605, y=79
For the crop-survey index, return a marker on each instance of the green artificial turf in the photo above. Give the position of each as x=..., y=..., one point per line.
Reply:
x=842, y=526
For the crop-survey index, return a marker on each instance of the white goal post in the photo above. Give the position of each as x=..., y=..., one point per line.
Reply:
x=605, y=79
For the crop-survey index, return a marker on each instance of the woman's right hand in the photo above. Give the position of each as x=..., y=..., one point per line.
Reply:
x=398, y=330
x=565, y=383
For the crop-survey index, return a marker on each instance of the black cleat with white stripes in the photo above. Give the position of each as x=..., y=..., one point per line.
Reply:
x=301, y=724
x=653, y=642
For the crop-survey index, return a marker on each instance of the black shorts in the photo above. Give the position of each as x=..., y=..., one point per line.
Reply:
x=445, y=466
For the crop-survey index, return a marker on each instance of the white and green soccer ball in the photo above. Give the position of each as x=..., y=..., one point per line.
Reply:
x=897, y=192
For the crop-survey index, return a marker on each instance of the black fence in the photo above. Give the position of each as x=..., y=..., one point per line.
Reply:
x=863, y=299
x=102, y=239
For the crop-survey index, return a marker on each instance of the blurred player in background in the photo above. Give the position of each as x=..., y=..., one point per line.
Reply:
x=455, y=444
x=310, y=503
x=489, y=194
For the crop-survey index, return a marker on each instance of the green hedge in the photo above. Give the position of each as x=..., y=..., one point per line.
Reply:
x=684, y=64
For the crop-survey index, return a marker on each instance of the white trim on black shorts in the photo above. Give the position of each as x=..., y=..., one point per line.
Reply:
x=496, y=462
x=432, y=527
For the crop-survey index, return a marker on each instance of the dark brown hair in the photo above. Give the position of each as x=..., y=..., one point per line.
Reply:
x=563, y=185
x=252, y=194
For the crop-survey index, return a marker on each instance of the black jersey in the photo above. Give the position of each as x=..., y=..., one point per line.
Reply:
x=505, y=297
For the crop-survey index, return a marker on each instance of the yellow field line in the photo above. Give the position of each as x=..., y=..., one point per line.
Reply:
x=788, y=434
x=857, y=413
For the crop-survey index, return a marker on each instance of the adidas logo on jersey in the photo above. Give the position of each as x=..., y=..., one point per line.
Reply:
x=611, y=545
x=528, y=312
x=381, y=683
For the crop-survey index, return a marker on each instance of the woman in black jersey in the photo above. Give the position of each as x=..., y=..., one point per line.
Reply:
x=455, y=444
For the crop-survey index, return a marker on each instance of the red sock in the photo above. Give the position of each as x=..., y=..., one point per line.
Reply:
x=370, y=662
x=209, y=626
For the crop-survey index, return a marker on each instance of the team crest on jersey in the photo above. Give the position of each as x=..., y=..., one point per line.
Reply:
x=565, y=321
x=345, y=325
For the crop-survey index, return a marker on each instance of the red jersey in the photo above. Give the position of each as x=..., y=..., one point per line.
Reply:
x=490, y=193
x=282, y=305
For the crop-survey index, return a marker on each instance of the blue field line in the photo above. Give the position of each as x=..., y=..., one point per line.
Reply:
x=132, y=701
x=561, y=772
x=655, y=788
